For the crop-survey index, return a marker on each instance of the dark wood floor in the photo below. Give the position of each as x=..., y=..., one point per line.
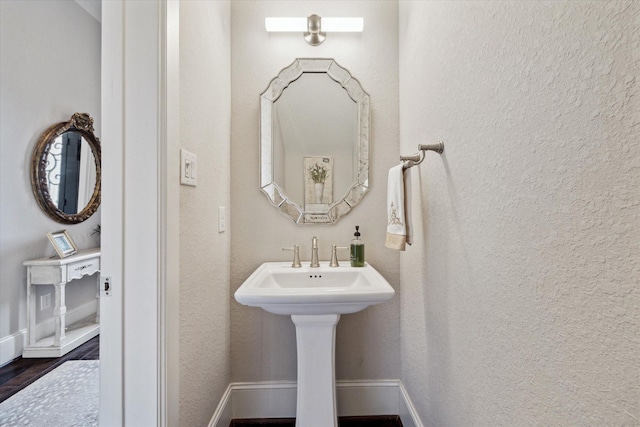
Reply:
x=376, y=421
x=21, y=372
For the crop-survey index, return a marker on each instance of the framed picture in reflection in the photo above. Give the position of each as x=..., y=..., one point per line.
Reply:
x=318, y=184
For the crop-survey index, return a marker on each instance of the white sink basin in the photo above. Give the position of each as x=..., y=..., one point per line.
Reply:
x=314, y=298
x=281, y=289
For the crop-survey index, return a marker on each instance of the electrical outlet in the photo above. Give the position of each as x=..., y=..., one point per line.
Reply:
x=45, y=301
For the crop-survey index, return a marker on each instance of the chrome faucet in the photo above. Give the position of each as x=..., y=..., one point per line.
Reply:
x=314, y=252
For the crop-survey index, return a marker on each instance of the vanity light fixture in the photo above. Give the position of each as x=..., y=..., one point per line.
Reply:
x=314, y=27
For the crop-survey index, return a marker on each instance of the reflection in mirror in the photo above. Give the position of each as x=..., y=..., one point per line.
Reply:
x=71, y=172
x=315, y=118
x=65, y=170
x=314, y=141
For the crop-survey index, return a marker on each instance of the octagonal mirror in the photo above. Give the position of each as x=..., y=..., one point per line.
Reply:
x=314, y=141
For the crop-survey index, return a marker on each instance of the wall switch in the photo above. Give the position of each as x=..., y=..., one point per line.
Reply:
x=188, y=168
x=222, y=219
x=45, y=301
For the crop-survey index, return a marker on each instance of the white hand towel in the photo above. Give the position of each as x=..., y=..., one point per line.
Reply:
x=399, y=208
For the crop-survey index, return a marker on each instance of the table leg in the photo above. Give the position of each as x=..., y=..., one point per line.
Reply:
x=31, y=313
x=59, y=313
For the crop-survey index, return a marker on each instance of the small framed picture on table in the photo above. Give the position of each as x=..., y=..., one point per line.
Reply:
x=62, y=243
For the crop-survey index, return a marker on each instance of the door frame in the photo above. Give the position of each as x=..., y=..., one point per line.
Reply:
x=140, y=213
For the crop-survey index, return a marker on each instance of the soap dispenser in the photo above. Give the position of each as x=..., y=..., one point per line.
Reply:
x=357, y=249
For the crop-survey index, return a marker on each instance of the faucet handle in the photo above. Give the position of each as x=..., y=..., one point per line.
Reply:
x=334, y=254
x=314, y=253
x=296, y=255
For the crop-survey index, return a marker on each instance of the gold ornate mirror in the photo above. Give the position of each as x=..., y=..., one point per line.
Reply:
x=66, y=171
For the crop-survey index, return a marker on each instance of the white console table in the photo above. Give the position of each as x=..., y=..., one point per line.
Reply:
x=58, y=272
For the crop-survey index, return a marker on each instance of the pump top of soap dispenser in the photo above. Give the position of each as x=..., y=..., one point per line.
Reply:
x=357, y=233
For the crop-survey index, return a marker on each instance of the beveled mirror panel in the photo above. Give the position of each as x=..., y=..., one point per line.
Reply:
x=314, y=141
x=65, y=170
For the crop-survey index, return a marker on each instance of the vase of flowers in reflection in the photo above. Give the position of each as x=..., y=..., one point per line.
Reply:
x=318, y=174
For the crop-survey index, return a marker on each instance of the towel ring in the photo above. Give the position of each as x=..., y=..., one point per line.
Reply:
x=417, y=158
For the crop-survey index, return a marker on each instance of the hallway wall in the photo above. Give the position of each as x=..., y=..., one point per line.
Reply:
x=263, y=345
x=520, y=302
x=43, y=80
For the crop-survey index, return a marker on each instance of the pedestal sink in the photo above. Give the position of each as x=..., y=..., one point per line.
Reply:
x=314, y=298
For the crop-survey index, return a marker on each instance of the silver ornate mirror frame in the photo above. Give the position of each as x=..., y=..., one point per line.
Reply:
x=273, y=191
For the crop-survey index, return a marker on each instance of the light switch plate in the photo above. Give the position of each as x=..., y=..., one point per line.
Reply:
x=188, y=168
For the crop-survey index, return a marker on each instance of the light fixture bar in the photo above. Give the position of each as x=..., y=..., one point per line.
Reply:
x=294, y=24
x=298, y=25
x=343, y=25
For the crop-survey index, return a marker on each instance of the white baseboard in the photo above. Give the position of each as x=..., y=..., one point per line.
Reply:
x=224, y=412
x=408, y=413
x=12, y=345
x=277, y=399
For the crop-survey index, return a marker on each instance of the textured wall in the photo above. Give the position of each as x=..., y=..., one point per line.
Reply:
x=204, y=253
x=263, y=344
x=520, y=300
x=43, y=81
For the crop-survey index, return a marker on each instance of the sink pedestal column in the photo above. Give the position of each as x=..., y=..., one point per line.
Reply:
x=316, y=340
